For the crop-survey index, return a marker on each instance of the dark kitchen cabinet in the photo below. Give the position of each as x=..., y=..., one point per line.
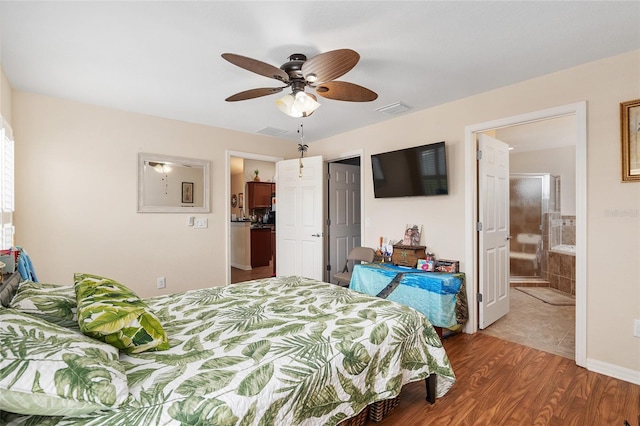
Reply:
x=260, y=246
x=259, y=194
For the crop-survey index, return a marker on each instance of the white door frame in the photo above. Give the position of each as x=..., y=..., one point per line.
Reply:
x=227, y=191
x=579, y=110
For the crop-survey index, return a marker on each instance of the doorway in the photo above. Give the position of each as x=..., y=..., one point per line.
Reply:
x=239, y=169
x=577, y=110
x=343, y=202
x=541, y=290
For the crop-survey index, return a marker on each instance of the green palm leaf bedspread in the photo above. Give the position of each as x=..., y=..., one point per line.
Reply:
x=278, y=351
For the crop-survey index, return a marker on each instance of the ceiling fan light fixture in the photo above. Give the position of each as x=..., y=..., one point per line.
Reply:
x=297, y=105
x=162, y=168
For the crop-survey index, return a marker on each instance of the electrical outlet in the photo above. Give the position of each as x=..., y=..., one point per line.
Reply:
x=161, y=282
x=636, y=327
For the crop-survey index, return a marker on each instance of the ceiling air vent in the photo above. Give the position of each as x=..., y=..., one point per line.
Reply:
x=394, y=108
x=271, y=131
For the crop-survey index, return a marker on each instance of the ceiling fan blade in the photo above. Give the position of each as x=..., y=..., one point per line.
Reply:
x=254, y=93
x=329, y=65
x=343, y=91
x=256, y=66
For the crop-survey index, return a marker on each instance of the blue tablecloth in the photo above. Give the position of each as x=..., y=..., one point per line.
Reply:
x=441, y=297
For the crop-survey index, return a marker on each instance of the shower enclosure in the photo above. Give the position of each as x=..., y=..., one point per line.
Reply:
x=534, y=204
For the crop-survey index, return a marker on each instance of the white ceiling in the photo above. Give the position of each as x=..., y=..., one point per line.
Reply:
x=163, y=58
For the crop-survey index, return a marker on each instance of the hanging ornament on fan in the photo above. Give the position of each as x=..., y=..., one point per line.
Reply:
x=302, y=148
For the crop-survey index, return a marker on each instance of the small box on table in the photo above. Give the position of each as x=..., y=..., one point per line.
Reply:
x=408, y=255
x=444, y=265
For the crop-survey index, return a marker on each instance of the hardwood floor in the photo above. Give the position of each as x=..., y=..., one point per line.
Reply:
x=505, y=383
x=238, y=275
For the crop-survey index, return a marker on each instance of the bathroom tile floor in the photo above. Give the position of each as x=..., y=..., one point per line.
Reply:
x=534, y=323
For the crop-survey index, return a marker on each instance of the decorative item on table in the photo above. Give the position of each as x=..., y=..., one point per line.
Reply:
x=383, y=252
x=427, y=264
x=407, y=255
x=256, y=178
x=9, y=259
x=444, y=265
x=412, y=235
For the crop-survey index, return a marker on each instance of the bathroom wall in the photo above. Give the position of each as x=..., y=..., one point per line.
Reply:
x=562, y=272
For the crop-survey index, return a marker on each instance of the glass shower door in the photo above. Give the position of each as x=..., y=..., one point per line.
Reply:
x=527, y=196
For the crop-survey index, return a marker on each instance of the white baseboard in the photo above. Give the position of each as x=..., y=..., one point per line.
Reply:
x=239, y=266
x=615, y=371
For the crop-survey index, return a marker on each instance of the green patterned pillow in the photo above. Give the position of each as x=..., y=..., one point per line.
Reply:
x=109, y=311
x=46, y=369
x=52, y=302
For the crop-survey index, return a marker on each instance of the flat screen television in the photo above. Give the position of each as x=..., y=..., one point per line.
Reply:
x=411, y=172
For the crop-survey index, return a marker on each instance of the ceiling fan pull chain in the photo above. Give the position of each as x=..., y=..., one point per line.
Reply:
x=302, y=147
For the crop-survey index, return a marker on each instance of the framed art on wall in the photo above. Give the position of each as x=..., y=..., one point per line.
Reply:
x=630, y=143
x=187, y=192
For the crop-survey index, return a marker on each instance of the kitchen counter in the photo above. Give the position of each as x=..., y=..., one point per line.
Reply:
x=262, y=225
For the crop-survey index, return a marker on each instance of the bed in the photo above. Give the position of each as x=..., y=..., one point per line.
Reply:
x=276, y=351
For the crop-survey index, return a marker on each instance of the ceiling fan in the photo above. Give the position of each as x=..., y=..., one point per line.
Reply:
x=319, y=73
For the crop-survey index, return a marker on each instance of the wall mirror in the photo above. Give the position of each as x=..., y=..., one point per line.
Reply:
x=168, y=184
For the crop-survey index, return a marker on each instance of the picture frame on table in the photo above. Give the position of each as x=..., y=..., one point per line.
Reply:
x=187, y=192
x=630, y=140
x=412, y=235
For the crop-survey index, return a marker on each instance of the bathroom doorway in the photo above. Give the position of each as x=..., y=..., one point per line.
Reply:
x=542, y=165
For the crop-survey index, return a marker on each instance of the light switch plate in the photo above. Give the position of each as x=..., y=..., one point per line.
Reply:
x=201, y=223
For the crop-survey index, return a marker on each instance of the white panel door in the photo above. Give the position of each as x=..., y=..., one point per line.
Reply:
x=299, y=241
x=344, y=214
x=493, y=238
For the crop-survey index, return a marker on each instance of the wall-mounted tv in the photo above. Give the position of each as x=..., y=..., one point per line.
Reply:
x=410, y=172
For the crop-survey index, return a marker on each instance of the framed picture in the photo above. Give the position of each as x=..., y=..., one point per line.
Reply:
x=630, y=134
x=412, y=235
x=187, y=192
x=241, y=200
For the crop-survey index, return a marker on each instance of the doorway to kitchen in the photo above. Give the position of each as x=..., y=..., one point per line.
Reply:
x=250, y=216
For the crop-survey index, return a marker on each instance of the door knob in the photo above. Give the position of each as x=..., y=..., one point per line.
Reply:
x=316, y=235
x=508, y=237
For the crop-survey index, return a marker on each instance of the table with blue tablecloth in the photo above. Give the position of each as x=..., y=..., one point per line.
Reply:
x=441, y=297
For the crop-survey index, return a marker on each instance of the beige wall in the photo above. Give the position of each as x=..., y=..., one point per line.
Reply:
x=613, y=228
x=559, y=162
x=5, y=97
x=76, y=176
x=76, y=191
